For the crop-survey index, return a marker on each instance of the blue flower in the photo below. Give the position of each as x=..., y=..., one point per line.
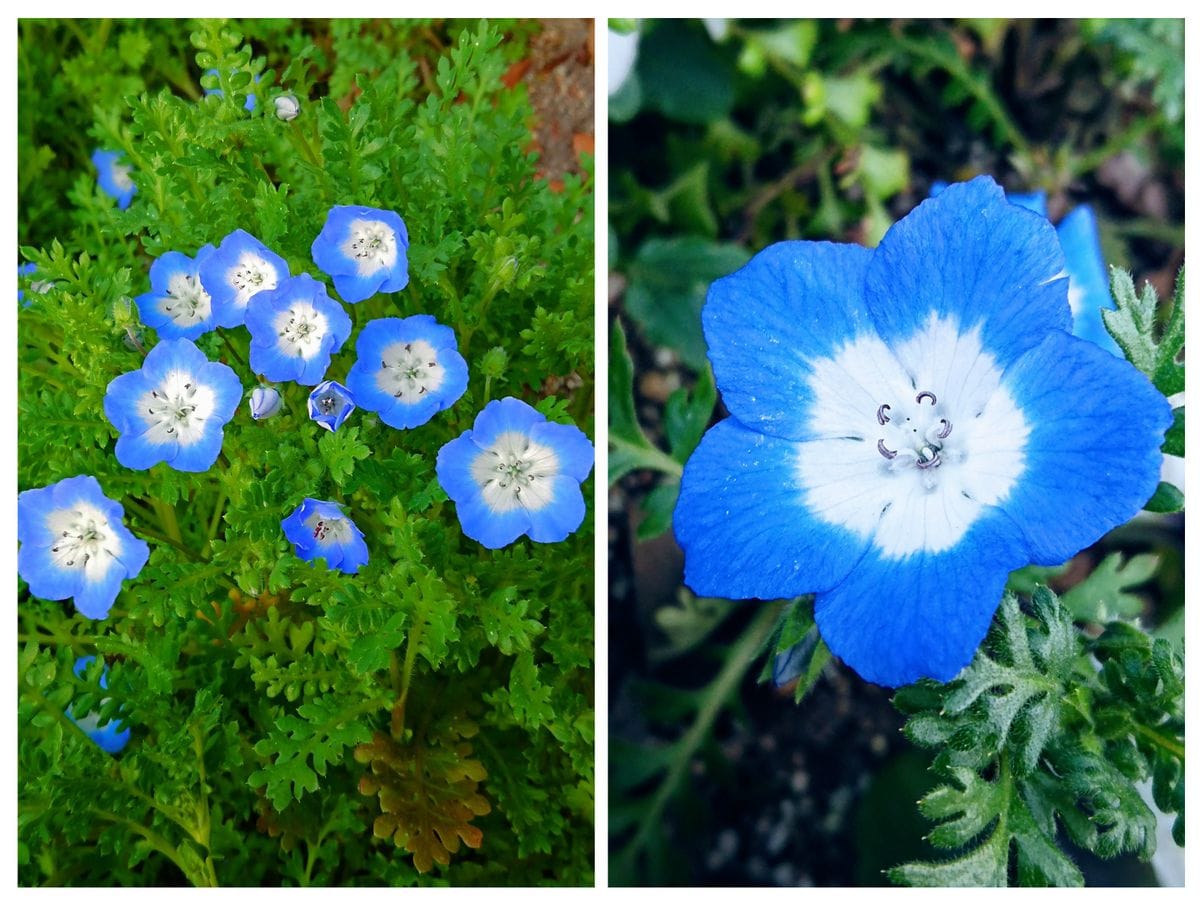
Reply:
x=251, y=100
x=329, y=404
x=908, y=425
x=74, y=544
x=114, y=177
x=110, y=737
x=365, y=251
x=1087, y=292
x=321, y=529
x=177, y=305
x=265, y=402
x=239, y=269
x=294, y=330
x=173, y=409
x=516, y=474
x=407, y=370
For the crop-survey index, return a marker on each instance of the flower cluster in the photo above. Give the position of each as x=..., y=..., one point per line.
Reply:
x=908, y=425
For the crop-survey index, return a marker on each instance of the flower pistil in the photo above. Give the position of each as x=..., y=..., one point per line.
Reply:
x=515, y=472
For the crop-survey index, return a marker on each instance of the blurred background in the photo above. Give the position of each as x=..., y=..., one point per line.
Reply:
x=727, y=136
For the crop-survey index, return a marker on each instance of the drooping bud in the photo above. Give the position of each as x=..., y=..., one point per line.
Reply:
x=265, y=402
x=287, y=107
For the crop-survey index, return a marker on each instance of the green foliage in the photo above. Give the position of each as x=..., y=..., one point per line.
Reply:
x=1133, y=326
x=1032, y=741
x=278, y=708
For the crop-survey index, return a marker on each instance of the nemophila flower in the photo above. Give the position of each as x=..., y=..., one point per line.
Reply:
x=287, y=107
x=321, y=529
x=74, y=544
x=265, y=402
x=364, y=250
x=177, y=304
x=239, y=269
x=173, y=409
x=515, y=473
x=1087, y=291
x=407, y=370
x=294, y=330
x=908, y=425
x=329, y=405
x=110, y=737
x=114, y=176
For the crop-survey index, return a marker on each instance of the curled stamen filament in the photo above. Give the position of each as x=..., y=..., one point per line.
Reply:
x=881, y=414
x=887, y=454
x=932, y=397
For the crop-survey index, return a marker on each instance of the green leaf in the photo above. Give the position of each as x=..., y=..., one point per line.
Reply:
x=687, y=416
x=629, y=449
x=1133, y=323
x=682, y=74
x=668, y=282
x=1103, y=595
x=1166, y=499
x=658, y=507
x=1174, y=443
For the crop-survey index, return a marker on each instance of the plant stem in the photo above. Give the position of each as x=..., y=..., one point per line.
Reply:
x=716, y=696
x=1166, y=742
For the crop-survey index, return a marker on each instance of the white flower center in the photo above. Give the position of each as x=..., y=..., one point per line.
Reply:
x=515, y=472
x=328, y=529
x=372, y=246
x=913, y=442
x=176, y=411
x=301, y=329
x=249, y=275
x=120, y=175
x=186, y=302
x=1075, y=295
x=410, y=370
x=84, y=540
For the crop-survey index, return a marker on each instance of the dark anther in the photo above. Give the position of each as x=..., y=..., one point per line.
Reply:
x=881, y=415
x=946, y=428
x=432, y=363
x=888, y=454
x=932, y=463
x=932, y=397
x=408, y=348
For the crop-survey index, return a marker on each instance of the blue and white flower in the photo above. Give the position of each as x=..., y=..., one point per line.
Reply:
x=321, y=529
x=110, y=737
x=407, y=370
x=177, y=304
x=173, y=409
x=74, y=544
x=908, y=425
x=114, y=177
x=329, y=405
x=1088, y=291
x=514, y=474
x=364, y=250
x=239, y=269
x=294, y=331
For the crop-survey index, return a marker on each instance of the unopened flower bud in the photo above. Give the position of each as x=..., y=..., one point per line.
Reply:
x=287, y=107
x=265, y=402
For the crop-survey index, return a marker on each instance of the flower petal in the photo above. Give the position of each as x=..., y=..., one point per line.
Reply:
x=1088, y=291
x=572, y=447
x=896, y=619
x=743, y=523
x=794, y=302
x=492, y=530
x=1093, y=454
x=562, y=516
x=970, y=256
